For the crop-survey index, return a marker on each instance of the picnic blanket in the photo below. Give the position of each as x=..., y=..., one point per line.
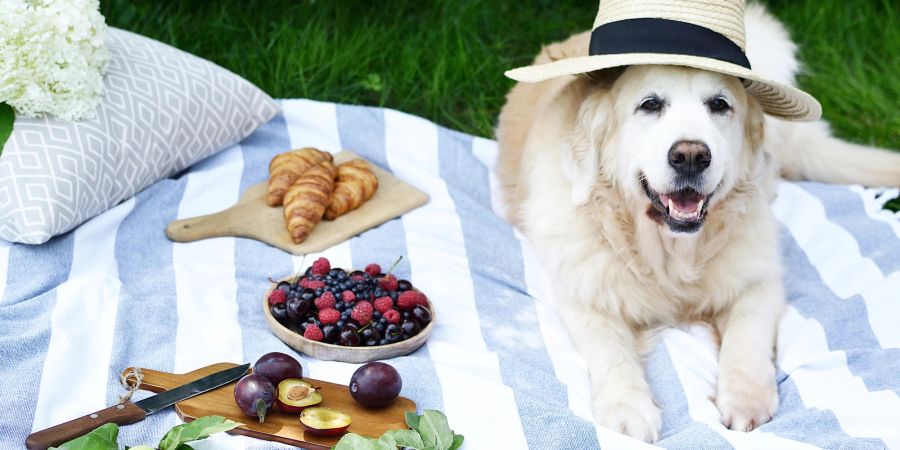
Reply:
x=116, y=293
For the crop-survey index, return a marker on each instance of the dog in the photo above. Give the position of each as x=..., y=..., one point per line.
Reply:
x=645, y=191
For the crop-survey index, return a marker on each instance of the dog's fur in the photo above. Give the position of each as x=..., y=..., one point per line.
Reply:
x=573, y=152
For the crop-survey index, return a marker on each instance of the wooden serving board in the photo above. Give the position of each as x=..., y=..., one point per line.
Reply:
x=252, y=218
x=279, y=427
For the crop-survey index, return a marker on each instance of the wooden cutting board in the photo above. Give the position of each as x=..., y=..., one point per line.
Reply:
x=279, y=427
x=252, y=218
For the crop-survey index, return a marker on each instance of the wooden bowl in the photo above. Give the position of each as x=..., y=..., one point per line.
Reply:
x=331, y=352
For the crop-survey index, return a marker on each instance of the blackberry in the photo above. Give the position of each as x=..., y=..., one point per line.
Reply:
x=342, y=275
x=345, y=314
x=394, y=295
x=380, y=326
x=320, y=291
x=379, y=292
x=333, y=273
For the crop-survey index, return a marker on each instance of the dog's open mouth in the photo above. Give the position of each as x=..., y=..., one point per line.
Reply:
x=683, y=210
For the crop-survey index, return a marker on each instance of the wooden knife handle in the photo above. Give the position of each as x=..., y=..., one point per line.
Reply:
x=122, y=414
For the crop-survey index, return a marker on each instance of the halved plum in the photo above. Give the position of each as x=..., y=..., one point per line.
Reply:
x=323, y=421
x=293, y=395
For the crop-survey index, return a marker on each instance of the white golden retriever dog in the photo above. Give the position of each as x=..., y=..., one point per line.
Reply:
x=646, y=192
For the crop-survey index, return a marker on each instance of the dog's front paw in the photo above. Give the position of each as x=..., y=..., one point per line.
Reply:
x=746, y=401
x=631, y=412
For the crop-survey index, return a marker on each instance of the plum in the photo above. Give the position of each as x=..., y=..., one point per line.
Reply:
x=323, y=421
x=375, y=384
x=293, y=395
x=277, y=367
x=254, y=395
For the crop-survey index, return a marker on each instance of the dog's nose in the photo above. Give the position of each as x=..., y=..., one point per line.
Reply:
x=689, y=157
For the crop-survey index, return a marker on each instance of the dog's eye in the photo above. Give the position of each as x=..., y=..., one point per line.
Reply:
x=718, y=105
x=651, y=104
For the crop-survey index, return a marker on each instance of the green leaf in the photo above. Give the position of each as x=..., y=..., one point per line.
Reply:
x=435, y=431
x=457, y=441
x=388, y=441
x=7, y=118
x=199, y=429
x=412, y=419
x=103, y=437
x=353, y=441
x=405, y=438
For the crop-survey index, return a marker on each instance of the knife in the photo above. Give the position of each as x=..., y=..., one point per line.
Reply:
x=128, y=412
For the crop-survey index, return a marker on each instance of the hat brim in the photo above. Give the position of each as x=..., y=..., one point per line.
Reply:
x=776, y=99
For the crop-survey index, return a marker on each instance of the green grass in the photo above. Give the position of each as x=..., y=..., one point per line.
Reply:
x=444, y=59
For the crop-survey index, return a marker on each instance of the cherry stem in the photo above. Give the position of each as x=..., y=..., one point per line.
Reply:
x=393, y=266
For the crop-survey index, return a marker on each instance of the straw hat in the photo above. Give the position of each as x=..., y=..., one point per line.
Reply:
x=704, y=34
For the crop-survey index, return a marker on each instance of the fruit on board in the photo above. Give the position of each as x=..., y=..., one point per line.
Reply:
x=278, y=366
x=293, y=395
x=323, y=421
x=254, y=395
x=375, y=384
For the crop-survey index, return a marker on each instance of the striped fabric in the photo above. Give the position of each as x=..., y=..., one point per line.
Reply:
x=116, y=293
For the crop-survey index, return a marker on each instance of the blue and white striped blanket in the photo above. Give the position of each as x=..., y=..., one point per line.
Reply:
x=116, y=293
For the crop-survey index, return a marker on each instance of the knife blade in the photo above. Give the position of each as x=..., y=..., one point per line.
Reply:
x=128, y=412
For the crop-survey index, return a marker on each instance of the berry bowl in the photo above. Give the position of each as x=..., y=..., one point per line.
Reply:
x=328, y=322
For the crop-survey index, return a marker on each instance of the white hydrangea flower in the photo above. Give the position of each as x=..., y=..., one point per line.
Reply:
x=52, y=57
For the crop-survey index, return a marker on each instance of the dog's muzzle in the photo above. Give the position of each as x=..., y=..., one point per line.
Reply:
x=683, y=210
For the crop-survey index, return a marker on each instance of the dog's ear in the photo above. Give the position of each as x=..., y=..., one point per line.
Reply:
x=581, y=157
x=755, y=125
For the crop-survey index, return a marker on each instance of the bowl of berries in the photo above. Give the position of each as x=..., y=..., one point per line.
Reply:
x=351, y=316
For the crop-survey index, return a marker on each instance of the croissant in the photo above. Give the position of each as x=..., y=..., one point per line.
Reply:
x=306, y=200
x=285, y=168
x=355, y=184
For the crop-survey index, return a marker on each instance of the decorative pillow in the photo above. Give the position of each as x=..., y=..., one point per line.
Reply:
x=162, y=111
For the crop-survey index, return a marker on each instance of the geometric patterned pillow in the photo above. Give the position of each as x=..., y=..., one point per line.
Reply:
x=163, y=110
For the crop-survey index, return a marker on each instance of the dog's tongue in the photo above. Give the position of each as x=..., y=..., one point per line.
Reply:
x=686, y=203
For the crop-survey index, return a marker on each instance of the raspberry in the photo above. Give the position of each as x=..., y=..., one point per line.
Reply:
x=382, y=304
x=321, y=266
x=311, y=284
x=326, y=301
x=329, y=316
x=408, y=300
x=392, y=316
x=362, y=312
x=421, y=299
x=313, y=332
x=277, y=296
x=388, y=283
x=348, y=296
x=373, y=270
